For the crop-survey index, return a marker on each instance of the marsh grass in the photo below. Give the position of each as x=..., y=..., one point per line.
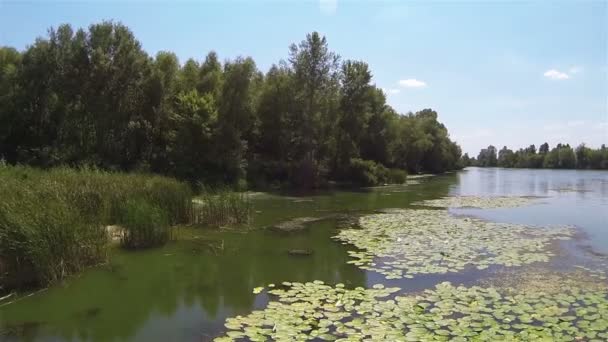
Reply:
x=52, y=222
x=222, y=207
x=145, y=225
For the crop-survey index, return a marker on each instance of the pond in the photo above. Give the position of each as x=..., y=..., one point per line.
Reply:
x=186, y=290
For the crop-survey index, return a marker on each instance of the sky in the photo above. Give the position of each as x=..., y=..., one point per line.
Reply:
x=509, y=73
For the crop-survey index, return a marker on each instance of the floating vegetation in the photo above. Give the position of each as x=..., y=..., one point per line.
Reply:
x=300, y=252
x=300, y=223
x=424, y=175
x=479, y=202
x=296, y=224
x=598, y=273
x=314, y=311
x=403, y=243
x=571, y=189
x=539, y=278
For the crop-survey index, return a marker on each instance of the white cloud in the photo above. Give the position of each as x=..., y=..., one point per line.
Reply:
x=328, y=7
x=391, y=91
x=575, y=69
x=556, y=75
x=412, y=83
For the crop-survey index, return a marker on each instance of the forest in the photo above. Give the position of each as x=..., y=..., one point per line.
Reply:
x=562, y=156
x=93, y=97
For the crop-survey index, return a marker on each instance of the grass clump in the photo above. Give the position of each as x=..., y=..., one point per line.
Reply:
x=52, y=222
x=221, y=207
x=43, y=238
x=145, y=225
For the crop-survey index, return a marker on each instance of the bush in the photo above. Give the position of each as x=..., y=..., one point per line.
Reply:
x=145, y=225
x=369, y=173
x=397, y=176
x=363, y=172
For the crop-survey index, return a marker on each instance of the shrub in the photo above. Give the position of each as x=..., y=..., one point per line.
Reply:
x=363, y=172
x=397, y=176
x=145, y=224
x=368, y=173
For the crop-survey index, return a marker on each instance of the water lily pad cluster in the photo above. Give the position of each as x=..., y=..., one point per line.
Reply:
x=315, y=311
x=478, y=202
x=403, y=243
x=599, y=272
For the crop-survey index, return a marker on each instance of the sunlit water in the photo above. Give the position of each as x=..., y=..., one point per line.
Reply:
x=186, y=290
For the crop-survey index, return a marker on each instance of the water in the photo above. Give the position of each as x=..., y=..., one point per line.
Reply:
x=186, y=290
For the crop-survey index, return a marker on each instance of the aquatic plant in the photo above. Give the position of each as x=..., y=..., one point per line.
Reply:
x=478, y=202
x=315, y=311
x=404, y=242
x=221, y=207
x=52, y=222
x=43, y=237
x=600, y=272
x=145, y=225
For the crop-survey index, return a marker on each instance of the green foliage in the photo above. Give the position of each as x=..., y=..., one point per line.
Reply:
x=397, y=176
x=221, y=207
x=94, y=97
x=487, y=157
x=43, y=236
x=52, y=223
x=145, y=225
x=369, y=173
x=560, y=157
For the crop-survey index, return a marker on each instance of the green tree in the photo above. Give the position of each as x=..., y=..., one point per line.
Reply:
x=236, y=118
x=355, y=110
x=487, y=157
x=315, y=70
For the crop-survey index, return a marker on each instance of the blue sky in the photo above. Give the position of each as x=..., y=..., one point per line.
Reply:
x=506, y=73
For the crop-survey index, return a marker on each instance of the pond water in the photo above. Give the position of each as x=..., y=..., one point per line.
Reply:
x=186, y=290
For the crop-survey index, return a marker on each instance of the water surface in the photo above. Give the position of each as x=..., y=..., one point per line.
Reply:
x=185, y=290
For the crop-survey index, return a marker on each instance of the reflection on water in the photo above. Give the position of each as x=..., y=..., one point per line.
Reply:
x=570, y=197
x=185, y=290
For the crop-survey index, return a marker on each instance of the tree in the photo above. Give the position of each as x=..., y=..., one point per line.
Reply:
x=94, y=97
x=506, y=158
x=236, y=118
x=315, y=75
x=190, y=144
x=275, y=108
x=487, y=157
x=355, y=110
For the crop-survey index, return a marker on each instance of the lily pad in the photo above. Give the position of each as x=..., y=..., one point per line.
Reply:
x=406, y=242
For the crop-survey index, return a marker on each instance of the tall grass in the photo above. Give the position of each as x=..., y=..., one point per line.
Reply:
x=145, y=225
x=52, y=223
x=221, y=207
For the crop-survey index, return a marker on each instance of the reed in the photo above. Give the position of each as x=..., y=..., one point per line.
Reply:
x=145, y=225
x=52, y=222
x=221, y=207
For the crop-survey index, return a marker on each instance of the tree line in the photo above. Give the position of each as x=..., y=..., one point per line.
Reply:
x=95, y=97
x=561, y=156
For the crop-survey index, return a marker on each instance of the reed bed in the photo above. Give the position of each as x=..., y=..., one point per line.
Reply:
x=145, y=225
x=52, y=222
x=221, y=207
